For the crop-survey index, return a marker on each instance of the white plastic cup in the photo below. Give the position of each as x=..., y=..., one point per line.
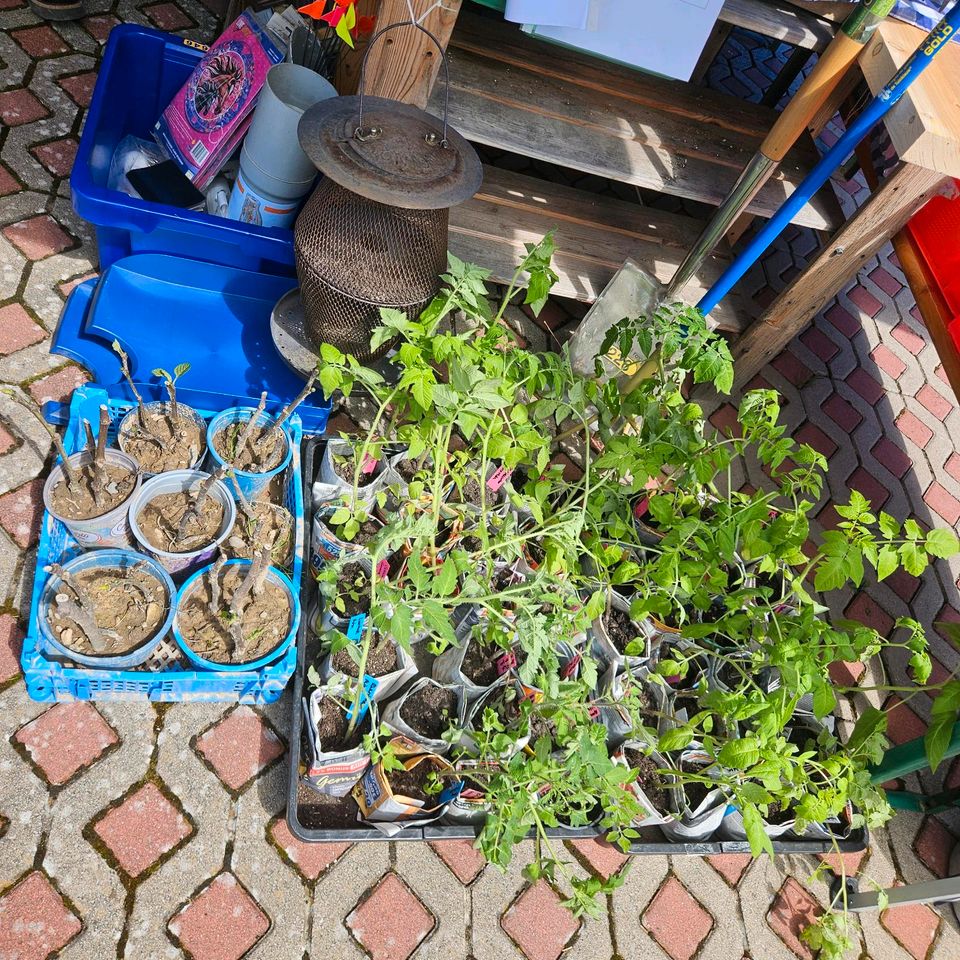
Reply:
x=111, y=529
x=178, y=481
x=251, y=200
x=126, y=424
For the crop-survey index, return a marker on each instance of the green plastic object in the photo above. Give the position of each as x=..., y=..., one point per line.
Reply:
x=493, y=4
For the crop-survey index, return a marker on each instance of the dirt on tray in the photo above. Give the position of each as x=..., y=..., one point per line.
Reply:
x=620, y=628
x=98, y=490
x=252, y=458
x=479, y=663
x=166, y=444
x=345, y=467
x=278, y=527
x=648, y=778
x=413, y=783
x=430, y=710
x=127, y=605
x=159, y=522
x=263, y=624
x=333, y=724
x=380, y=661
x=316, y=811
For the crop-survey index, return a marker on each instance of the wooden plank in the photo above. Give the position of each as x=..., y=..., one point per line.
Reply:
x=887, y=210
x=404, y=63
x=594, y=235
x=716, y=40
x=925, y=125
x=780, y=21
x=512, y=92
x=348, y=63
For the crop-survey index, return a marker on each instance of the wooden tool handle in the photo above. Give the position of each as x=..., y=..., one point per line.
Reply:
x=813, y=93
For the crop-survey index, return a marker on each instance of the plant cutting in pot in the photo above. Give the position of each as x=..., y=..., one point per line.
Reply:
x=256, y=523
x=165, y=435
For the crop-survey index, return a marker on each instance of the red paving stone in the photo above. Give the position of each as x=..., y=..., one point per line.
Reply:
x=819, y=343
x=724, y=419
x=731, y=866
x=793, y=910
x=67, y=287
x=677, y=920
x=35, y=923
x=391, y=922
x=913, y=927
x=461, y=857
x=17, y=330
x=910, y=426
x=310, y=859
x=952, y=466
x=239, y=747
x=888, y=361
x=66, y=738
x=903, y=584
x=142, y=829
x=79, y=88
x=935, y=402
x=11, y=640
x=222, y=923
x=934, y=844
x=21, y=511
x=845, y=674
x=886, y=281
x=813, y=436
x=7, y=440
x=59, y=385
x=602, y=857
x=792, y=367
x=902, y=723
x=99, y=27
x=842, y=413
x=8, y=182
x=865, y=609
x=907, y=338
x=867, y=484
x=865, y=300
x=943, y=502
x=538, y=924
x=38, y=237
x=39, y=42
x=843, y=320
x=844, y=863
x=20, y=106
x=866, y=385
x=892, y=457
x=57, y=156
x=167, y=16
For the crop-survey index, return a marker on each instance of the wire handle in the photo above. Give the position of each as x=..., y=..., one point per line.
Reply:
x=361, y=133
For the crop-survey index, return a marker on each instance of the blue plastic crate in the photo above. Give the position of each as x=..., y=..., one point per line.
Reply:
x=49, y=678
x=139, y=75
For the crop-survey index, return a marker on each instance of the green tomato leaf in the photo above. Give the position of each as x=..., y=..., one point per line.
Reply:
x=942, y=721
x=942, y=543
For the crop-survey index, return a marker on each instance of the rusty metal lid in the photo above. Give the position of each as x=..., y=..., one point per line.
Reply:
x=399, y=158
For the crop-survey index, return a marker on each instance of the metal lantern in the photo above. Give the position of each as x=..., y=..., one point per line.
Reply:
x=374, y=232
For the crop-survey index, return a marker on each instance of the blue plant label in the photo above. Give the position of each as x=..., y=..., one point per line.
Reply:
x=452, y=792
x=370, y=685
x=355, y=627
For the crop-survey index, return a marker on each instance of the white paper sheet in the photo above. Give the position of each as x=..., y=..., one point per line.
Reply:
x=662, y=36
x=548, y=13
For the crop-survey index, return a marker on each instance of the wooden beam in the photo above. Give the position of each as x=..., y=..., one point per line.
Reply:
x=898, y=198
x=348, y=64
x=781, y=21
x=404, y=63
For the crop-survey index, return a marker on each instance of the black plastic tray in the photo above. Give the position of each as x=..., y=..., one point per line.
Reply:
x=307, y=649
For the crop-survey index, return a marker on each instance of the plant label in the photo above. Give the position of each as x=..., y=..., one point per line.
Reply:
x=370, y=685
x=572, y=667
x=369, y=464
x=383, y=569
x=498, y=478
x=452, y=792
x=593, y=712
x=355, y=627
x=640, y=510
x=506, y=662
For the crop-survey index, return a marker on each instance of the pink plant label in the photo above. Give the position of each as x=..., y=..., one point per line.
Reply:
x=383, y=569
x=593, y=712
x=369, y=464
x=674, y=680
x=498, y=478
x=570, y=670
x=507, y=662
x=640, y=510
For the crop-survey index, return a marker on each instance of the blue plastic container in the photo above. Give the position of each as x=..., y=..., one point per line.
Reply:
x=281, y=580
x=140, y=72
x=111, y=559
x=250, y=483
x=161, y=678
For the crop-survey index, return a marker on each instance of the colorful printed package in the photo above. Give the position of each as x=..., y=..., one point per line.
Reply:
x=209, y=116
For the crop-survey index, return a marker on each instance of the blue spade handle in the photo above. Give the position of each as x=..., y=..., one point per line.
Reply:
x=818, y=176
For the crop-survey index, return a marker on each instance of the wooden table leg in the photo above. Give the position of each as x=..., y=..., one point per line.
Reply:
x=887, y=210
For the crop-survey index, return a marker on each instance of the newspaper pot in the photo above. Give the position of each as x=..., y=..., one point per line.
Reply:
x=110, y=559
x=180, y=481
x=327, y=547
x=331, y=770
x=499, y=695
x=652, y=816
x=448, y=667
x=700, y=822
x=388, y=683
x=250, y=483
x=110, y=529
x=329, y=485
x=391, y=812
x=494, y=495
x=469, y=807
x=275, y=576
x=605, y=651
x=131, y=420
x=414, y=740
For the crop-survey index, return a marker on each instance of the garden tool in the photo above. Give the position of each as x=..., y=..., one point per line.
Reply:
x=633, y=291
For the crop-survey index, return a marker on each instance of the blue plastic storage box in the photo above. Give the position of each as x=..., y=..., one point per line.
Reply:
x=141, y=71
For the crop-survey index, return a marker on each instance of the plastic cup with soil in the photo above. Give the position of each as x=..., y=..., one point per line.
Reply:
x=469, y=495
x=107, y=608
x=162, y=436
x=182, y=517
x=258, y=523
x=236, y=614
x=92, y=499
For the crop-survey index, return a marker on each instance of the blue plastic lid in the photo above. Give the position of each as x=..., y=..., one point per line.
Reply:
x=166, y=310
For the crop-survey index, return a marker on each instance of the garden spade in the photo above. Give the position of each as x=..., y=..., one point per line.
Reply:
x=635, y=292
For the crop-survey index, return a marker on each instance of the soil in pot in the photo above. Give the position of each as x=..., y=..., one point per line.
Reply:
x=621, y=630
x=413, y=783
x=160, y=519
x=479, y=663
x=316, y=811
x=470, y=543
x=381, y=660
x=470, y=493
x=777, y=814
x=345, y=467
x=259, y=455
x=99, y=490
x=506, y=578
x=127, y=605
x=430, y=710
x=408, y=469
x=353, y=591
x=368, y=530
x=263, y=623
x=333, y=724
x=166, y=443
x=277, y=521
x=694, y=790
x=648, y=778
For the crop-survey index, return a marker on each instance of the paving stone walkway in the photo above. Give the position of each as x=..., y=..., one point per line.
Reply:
x=158, y=831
